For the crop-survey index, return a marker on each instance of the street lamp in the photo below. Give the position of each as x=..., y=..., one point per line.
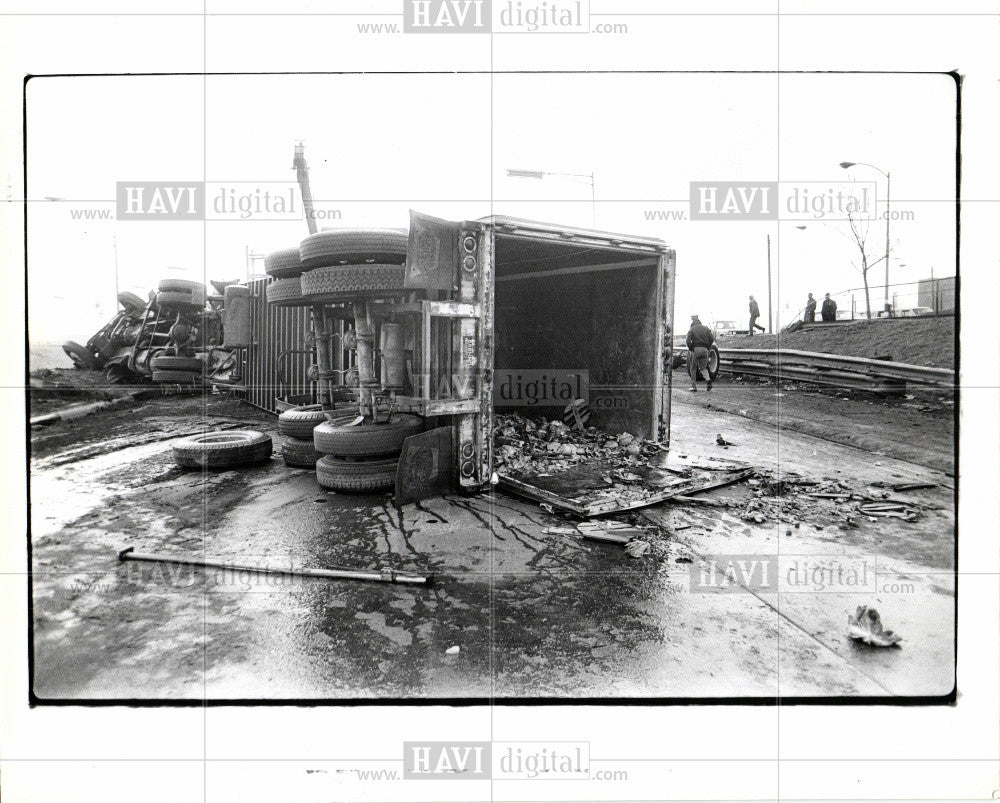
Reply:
x=587, y=178
x=888, y=183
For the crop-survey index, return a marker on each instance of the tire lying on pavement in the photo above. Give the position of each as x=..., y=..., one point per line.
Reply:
x=236, y=447
x=299, y=453
x=284, y=264
x=299, y=422
x=286, y=293
x=81, y=357
x=336, y=437
x=353, y=245
x=337, y=474
x=170, y=363
x=342, y=281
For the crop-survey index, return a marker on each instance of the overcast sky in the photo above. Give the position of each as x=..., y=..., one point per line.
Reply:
x=379, y=145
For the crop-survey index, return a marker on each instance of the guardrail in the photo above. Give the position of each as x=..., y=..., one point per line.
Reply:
x=879, y=376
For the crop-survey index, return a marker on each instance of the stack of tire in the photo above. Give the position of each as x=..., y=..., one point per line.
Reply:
x=176, y=370
x=296, y=425
x=340, y=266
x=285, y=268
x=345, y=264
x=359, y=457
x=180, y=295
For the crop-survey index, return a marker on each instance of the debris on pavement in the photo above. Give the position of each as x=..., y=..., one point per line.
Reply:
x=637, y=548
x=546, y=446
x=866, y=626
x=904, y=486
x=453, y=650
x=609, y=530
x=898, y=510
x=591, y=472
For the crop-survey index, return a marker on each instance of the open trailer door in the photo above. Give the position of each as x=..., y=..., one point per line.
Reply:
x=582, y=334
x=450, y=264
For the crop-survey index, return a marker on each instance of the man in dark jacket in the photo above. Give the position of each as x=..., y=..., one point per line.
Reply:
x=754, y=315
x=829, y=310
x=699, y=341
x=810, y=315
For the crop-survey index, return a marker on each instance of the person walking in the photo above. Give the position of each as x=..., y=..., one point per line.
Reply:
x=754, y=315
x=699, y=341
x=829, y=309
x=810, y=314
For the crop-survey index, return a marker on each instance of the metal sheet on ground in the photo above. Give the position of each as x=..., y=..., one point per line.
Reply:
x=597, y=487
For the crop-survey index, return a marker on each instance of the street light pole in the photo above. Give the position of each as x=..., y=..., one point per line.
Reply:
x=888, y=194
x=769, y=330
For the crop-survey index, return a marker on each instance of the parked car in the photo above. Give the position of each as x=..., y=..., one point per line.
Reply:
x=727, y=327
x=915, y=312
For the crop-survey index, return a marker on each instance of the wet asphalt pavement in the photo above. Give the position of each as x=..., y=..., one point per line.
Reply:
x=534, y=614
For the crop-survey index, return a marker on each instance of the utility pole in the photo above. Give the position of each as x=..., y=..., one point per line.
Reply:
x=769, y=329
x=888, y=184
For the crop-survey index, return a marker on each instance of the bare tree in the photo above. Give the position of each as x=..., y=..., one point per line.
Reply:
x=859, y=228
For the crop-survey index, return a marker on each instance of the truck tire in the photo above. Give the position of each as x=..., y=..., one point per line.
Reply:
x=286, y=293
x=237, y=447
x=284, y=264
x=80, y=356
x=353, y=245
x=351, y=281
x=181, y=286
x=131, y=303
x=179, y=377
x=335, y=437
x=713, y=362
x=299, y=453
x=299, y=422
x=356, y=475
x=165, y=363
x=177, y=300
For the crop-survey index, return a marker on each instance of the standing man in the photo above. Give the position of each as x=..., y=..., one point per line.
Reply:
x=810, y=314
x=829, y=310
x=699, y=341
x=754, y=315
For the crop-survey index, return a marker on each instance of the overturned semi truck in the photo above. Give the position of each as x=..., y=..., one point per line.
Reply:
x=493, y=315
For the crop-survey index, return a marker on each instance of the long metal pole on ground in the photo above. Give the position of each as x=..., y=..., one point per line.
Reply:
x=380, y=576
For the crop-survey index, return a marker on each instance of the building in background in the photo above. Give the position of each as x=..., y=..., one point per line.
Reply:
x=937, y=294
